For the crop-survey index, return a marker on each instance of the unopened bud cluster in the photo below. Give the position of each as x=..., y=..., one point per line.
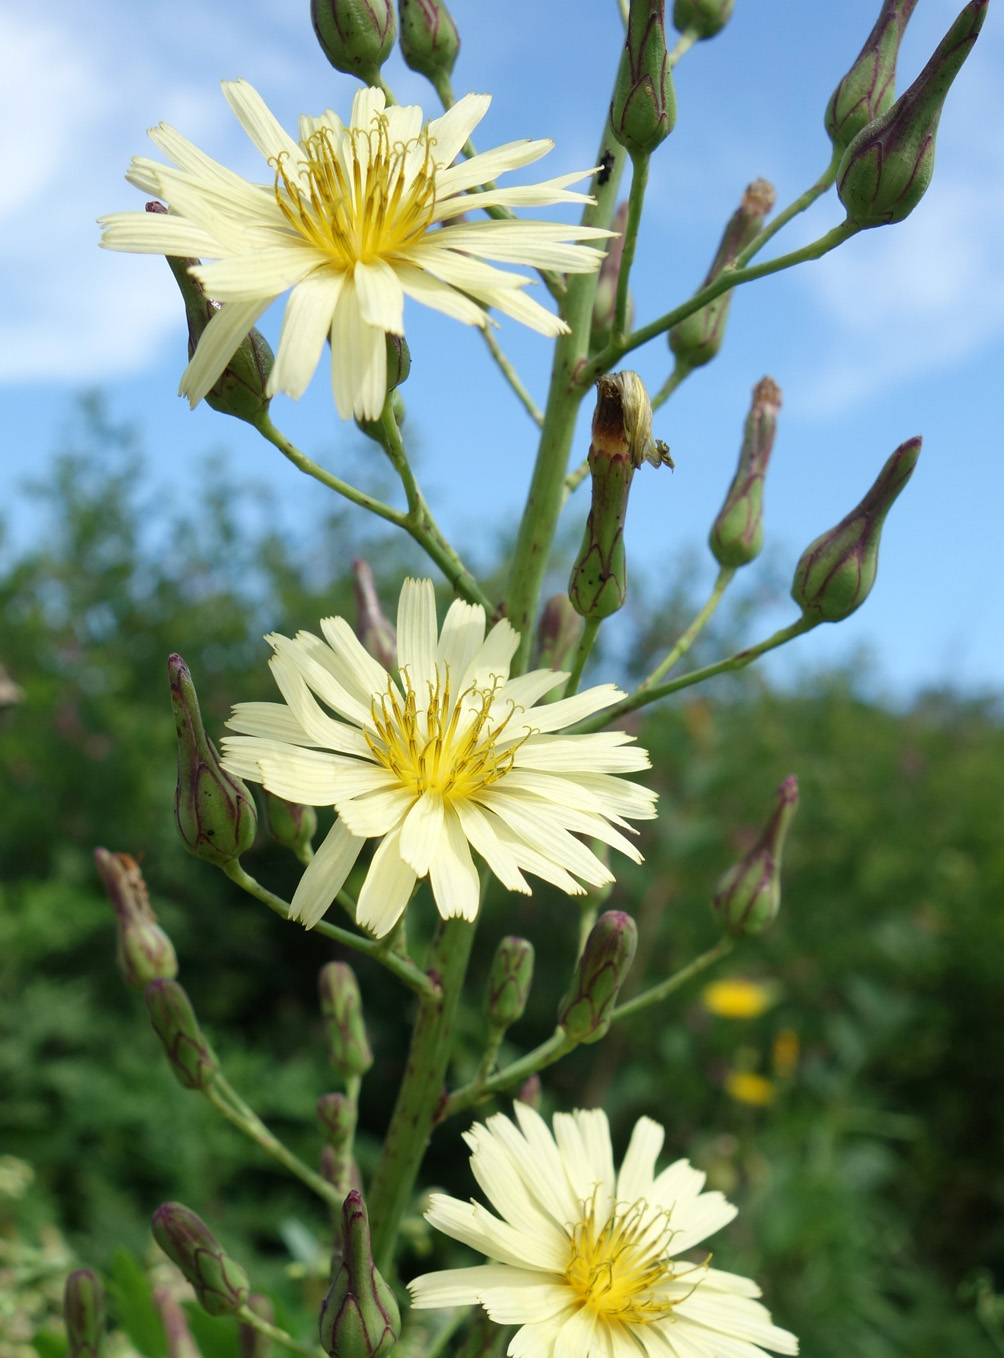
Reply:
x=360, y=1317
x=587, y=1009
x=737, y=532
x=144, y=953
x=643, y=110
x=869, y=87
x=509, y=982
x=341, y=1005
x=220, y=1283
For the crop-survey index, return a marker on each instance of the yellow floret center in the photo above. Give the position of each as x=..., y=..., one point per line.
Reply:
x=441, y=743
x=358, y=196
x=620, y=1262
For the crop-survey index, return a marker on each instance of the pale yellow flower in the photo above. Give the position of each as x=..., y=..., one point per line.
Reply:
x=356, y=218
x=585, y=1259
x=445, y=755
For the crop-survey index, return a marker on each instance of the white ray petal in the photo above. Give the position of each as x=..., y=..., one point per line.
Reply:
x=324, y=876
x=305, y=326
x=220, y=340
x=452, y=874
x=386, y=890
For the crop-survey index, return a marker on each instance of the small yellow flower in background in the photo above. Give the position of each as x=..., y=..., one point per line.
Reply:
x=745, y=1086
x=736, y=998
x=584, y=1258
x=785, y=1053
x=449, y=756
x=357, y=218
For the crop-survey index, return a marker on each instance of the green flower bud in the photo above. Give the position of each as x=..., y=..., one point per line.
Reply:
x=643, y=110
x=360, y=1317
x=341, y=1005
x=737, y=532
x=703, y=17
x=144, y=951
x=748, y=896
x=509, y=982
x=372, y=628
x=869, y=87
x=558, y=634
x=336, y=1118
x=290, y=824
x=254, y=1344
x=180, y=1343
x=887, y=167
x=84, y=1313
x=355, y=35
x=586, y=1010
x=398, y=360
x=220, y=1283
x=622, y=440
x=429, y=38
x=214, y=811
x=192, y=1059
x=836, y=572
x=240, y=388
x=697, y=339
x=605, y=301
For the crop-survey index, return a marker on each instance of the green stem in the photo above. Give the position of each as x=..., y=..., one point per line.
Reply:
x=403, y=968
x=665, y=988
x=559, y=1044
x=421, y=1091
x=574, y=480
x=247, y=1317
x=684, y=43
x=636, y=201
x=678, y=375
x=589, y=632
x=512, y=376
x=687, y=639
x=803, y=201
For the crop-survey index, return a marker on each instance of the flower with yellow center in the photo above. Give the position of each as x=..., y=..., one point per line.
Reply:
x=356, y=218
x=587, y=1260
x=445, y=755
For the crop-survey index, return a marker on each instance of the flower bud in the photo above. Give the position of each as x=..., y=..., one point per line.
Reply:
x=869, y=87
x=398, y=360
x=84, y=1313
x=600, y=972
x=214, y=811
x=887, y=167
x=509, y=982
x=254, y=1344
x=643, y=110
x=360, y=1317
x=180, y=1343
x=144, y=952
x=192, y=1059
x=836, y=572
x=429, y=38
x=373, y=629
x=220, y=1283
x=240, y=388
x=622, y=440
x=290, y=824
x=530, y=1091
x=737, y=532
x=341, y=1005
x=558, y=634
x=697, y=339
x=703, y=17
x=605, y=301
x=748, y=896
x=355, y=35
x=336, y=1118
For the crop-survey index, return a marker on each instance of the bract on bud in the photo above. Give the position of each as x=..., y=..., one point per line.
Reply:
x=697, y=339
x=342, y=1007
x=737, y=532
x=429, y=38
x=600, y=972
x=240, y=389
x=887, y=167
x=605, y=301
x=558, y=633
x=290, y=824
x=360, y=1317
x=192, y=1059
x=509, y=982
x=355, y=35
x=220, y=1283
x=836, y=572
x=144, y=951
x=869, y=87
x=373, y=629
x=254, y=1344
x=84, y=1313
x=336, y=1118
x=643, y=110
x=703, y=17
x=180, y=1343
x=748, y=896
x=214, y=811
x=622, y=440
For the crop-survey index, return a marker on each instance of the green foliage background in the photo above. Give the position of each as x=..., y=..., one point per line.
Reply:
x=871, y=1191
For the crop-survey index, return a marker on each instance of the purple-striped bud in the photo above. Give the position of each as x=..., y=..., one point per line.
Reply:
x=84, y=1313
x=290, y=824
x=509, y=982
x=887, y=167
x=836, y=572
x=586, y=1010
x=336, y=1117
x=737, y=532
x=254, y=1344
x=220, y=1283
x=341, y=1005
x=360, y=1317
x=748, y=896
x=192, y=1059
x=355, y=35
x=373, y=628
x=869, y=87
x=643, y=109
x=605, y=301
x=703, y=17
x=429, y=38
x=180, y=1343
x=144, y=953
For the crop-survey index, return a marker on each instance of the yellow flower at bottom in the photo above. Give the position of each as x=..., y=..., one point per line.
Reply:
x=745, y=1086
x=586, y=1259
x=735, y=998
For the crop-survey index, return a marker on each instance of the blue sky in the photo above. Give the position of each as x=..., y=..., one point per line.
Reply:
x=900, y=332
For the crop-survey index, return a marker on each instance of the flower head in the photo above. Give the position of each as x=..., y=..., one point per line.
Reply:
x=586, y=1259
x=447, y=754
x=354, y=219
